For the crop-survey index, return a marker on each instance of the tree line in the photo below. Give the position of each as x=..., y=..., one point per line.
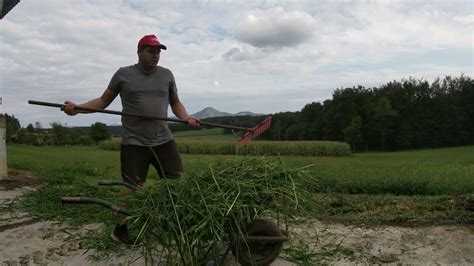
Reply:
x=57, y=134
x=406, y=114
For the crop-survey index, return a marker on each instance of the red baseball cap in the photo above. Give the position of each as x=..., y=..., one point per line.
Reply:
x=150, y=40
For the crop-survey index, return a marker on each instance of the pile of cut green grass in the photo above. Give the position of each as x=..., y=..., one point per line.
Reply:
x=188, y=218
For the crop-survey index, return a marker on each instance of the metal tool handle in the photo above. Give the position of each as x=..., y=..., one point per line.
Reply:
x=94, y=110
x=86, y=200
x=70, y=200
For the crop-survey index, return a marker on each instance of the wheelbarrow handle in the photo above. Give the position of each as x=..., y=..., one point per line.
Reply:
x=70, y=200
x=106, y=182
x=87, y=200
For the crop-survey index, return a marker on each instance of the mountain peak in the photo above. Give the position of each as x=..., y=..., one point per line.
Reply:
x=209, y=112
x=209, y=109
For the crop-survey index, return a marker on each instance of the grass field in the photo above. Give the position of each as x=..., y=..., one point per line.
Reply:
x=426, y=177
x=408, y=188
x=348, y=188
x=447, y=171
x=424, y=172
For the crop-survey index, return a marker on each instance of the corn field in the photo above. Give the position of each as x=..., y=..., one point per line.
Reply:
x=269, y=148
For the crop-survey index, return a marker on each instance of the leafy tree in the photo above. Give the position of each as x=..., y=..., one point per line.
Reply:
x=310, y=118
x=99, y=132
x=60, y=134
x=379, y=123
x=310, y=112
x=38, y=126
x=30, y=128
x=353, y=134
x=294, y=132
x=80, y=137
x=12, y=127
x=28, y=137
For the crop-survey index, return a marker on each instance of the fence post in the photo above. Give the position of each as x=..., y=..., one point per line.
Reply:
x=3, y=148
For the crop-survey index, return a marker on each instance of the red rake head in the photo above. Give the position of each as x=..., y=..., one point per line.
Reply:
x=249, y=135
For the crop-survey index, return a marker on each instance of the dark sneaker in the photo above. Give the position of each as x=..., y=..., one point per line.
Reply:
x=223, y=249
x=120, y=234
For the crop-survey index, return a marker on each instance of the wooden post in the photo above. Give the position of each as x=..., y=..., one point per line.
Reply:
x=3, y=148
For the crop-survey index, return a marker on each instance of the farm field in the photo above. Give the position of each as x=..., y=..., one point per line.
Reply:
x=446, y=171
x=398, y=191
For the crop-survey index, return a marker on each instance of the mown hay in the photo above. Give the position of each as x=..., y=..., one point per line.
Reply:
x=189, y=217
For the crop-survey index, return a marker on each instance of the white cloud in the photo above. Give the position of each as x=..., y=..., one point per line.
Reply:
x=468, y=19
x=275, y=28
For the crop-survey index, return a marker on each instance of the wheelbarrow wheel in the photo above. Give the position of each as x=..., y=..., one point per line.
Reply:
x=258, y=252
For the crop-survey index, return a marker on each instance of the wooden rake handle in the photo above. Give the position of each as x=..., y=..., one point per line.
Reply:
x=94, y=110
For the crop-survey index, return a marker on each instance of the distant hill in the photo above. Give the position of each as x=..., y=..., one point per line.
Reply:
x=209, y=112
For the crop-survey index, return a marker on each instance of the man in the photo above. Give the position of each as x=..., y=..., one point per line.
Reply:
x=144, y=88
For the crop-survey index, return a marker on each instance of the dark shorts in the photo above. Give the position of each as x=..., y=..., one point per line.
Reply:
x=135, y=160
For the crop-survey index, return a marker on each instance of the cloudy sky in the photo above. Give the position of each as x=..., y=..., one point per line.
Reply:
x=260, y=56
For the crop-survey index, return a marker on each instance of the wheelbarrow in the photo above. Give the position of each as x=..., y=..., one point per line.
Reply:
x=261, y=245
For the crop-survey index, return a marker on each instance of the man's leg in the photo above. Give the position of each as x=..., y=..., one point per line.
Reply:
x=167, y=160
x=134, y=161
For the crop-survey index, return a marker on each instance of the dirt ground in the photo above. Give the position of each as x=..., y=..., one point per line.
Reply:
x=27, y=241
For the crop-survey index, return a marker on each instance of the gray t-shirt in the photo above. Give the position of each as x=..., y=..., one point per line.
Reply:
x=146, y=94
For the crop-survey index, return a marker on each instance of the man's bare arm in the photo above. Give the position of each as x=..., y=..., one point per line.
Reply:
x=98, y=103
x=180, y=111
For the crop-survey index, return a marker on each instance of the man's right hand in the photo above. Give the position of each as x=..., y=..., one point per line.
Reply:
x=69, y=109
